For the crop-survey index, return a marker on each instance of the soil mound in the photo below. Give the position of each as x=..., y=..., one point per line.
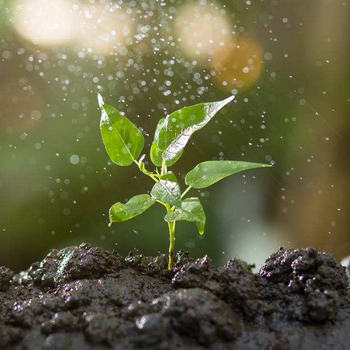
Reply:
x=82, y=298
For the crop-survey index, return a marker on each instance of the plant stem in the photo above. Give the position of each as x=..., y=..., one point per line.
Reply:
x=171, y=227
x=164, y=168
x=186, y=191
x=146, y=172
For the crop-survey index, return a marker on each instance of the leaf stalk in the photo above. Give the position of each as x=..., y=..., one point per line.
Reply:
x=186, y=191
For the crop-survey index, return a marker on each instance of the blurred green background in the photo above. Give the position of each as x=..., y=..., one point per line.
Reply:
x=286, y=60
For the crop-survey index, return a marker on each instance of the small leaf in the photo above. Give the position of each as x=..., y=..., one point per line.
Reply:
x=169, y=176
x=122, y=139
x=143, y=169
x=174, y=131
x=208, y=173
x=191, y=210
x=167, y=191
x=135, y=206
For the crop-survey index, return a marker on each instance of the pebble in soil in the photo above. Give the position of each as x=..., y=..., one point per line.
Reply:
x=89, y=298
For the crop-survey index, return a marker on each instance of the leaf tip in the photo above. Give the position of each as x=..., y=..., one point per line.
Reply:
x=100, y=100
x=231, y=98
x=110, y=216
x=142, y=158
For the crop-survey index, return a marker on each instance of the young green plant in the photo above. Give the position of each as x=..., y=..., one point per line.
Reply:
x=124, y=143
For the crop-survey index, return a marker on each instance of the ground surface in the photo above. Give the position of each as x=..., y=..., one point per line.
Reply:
x=82, y=298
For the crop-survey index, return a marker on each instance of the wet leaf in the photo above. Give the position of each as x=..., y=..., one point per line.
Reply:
x=207, y=173
x=174, y=131
x=122, y=139
x=167, y=191
x=169, y=176
x=191, y=210
x=120, y=212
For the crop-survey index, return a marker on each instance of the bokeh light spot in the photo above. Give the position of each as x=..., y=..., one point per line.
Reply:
x=202, y=30
x=238, y=66
x=44, y=22
x=74, y=159
x=101, y=30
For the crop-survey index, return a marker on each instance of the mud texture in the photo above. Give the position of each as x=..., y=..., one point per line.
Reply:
x=82, y=298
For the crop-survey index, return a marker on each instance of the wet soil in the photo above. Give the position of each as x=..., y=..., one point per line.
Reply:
x=82, y=298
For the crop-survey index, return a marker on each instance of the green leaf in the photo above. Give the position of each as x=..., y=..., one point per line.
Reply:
x=207, y=173
x=122, y=139
x=120, y=212
x=160, y=143
x=167, y=191
x=169, y=176
x=191, y=210
x=174, y=131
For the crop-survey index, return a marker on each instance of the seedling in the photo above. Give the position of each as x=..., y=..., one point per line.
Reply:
x=124, y=143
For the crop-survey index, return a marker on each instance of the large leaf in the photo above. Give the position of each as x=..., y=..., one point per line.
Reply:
x=191, y=210
x=167, y=191
x=207, y=173
x=122, y=139
x=174, y=131
x=120, y=212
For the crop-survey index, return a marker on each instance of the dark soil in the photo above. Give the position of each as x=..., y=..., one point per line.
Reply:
x=82, y=298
